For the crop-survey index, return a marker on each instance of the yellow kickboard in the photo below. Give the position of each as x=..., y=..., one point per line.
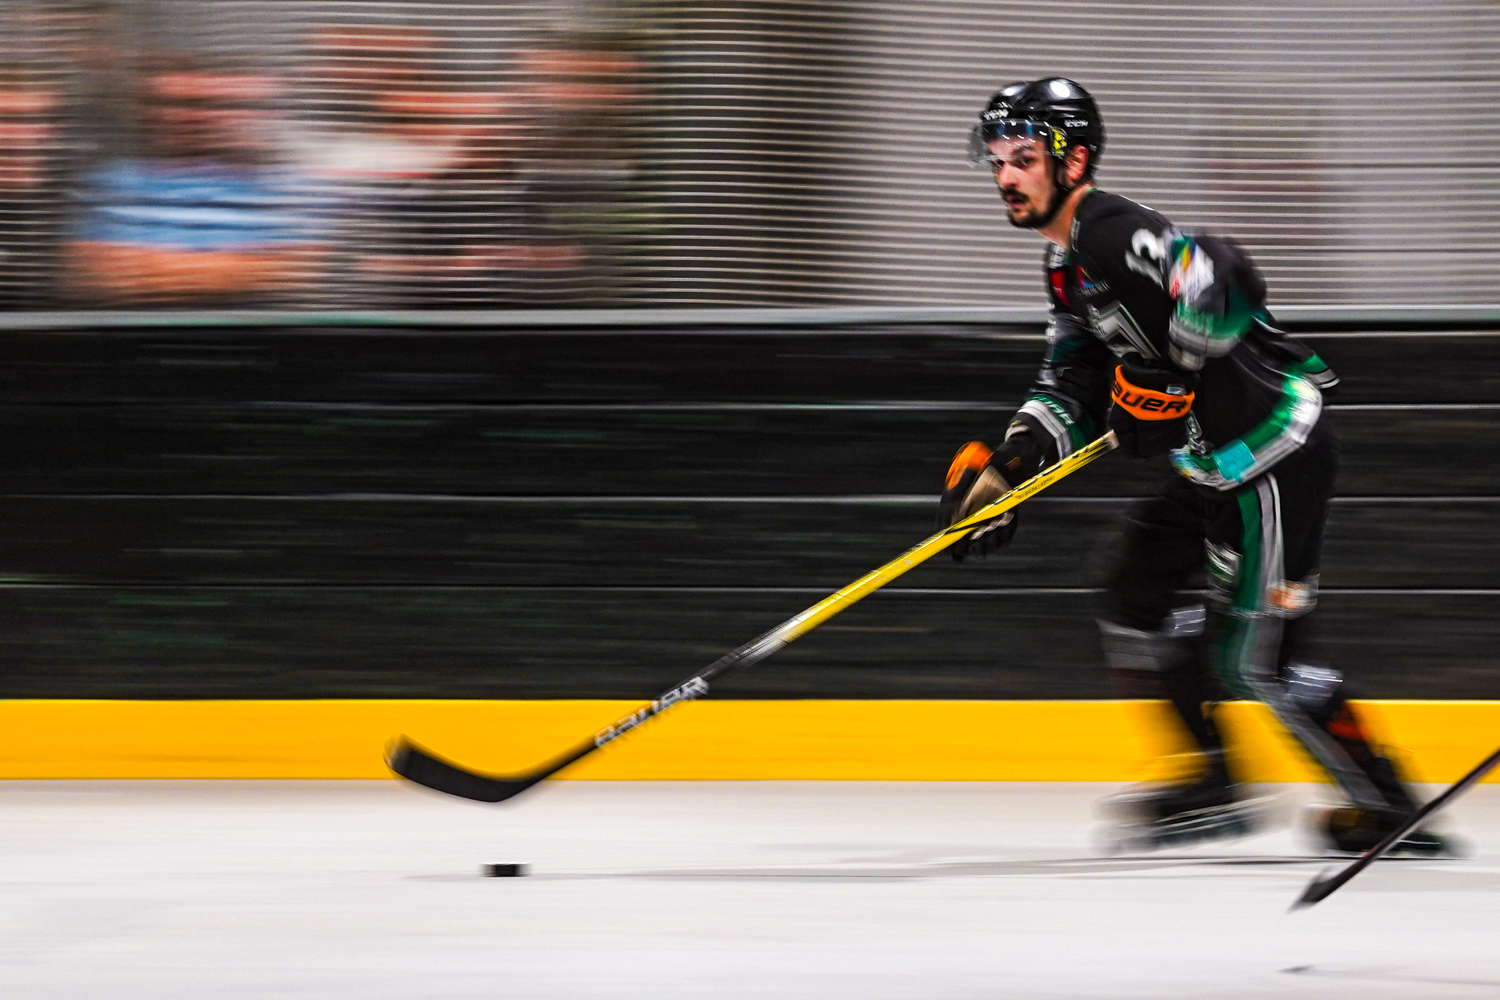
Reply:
x=814, y=739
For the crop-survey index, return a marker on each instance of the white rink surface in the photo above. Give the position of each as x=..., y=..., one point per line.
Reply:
x=692, y=891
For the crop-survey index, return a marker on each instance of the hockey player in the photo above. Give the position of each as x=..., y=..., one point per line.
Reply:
x=1171, y=329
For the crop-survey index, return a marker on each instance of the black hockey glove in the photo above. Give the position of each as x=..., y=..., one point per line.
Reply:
x=1150, y=415
x=979, y=476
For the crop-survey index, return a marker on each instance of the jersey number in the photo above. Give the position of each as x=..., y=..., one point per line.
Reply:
x=1148, y=255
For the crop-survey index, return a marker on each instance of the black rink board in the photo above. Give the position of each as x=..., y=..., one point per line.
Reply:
x=915, y=362
x=611, y=451
x=667, y=542
x=569, y=513
x=291, y=642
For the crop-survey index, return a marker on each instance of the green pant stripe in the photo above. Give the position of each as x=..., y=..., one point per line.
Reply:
x=1233, y=646
x=1247, y=592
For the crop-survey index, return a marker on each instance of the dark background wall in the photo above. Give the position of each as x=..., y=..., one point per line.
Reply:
x=566, y=513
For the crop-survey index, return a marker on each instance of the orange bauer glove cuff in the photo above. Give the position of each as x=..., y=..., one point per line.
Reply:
x=973, y=456
x=1150, y=404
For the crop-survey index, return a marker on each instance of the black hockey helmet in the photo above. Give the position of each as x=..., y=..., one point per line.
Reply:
x=1055, y=110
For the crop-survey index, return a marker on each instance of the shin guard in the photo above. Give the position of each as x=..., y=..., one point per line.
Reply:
x=1167, y=663
x=1320, y=693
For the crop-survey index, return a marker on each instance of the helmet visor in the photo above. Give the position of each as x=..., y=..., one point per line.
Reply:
x=992, y=144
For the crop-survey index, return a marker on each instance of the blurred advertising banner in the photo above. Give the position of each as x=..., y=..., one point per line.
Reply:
x=417, y=154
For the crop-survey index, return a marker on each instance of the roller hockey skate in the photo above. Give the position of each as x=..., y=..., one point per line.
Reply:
x=1353, y=830
x=1152, y=817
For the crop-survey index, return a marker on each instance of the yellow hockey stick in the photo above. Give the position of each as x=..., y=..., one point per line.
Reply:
x=426, y=768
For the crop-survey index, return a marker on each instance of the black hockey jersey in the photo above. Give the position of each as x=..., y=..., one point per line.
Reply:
x=1114, y=292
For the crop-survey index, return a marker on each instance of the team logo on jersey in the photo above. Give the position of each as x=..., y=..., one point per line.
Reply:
x=1059, y=280
x=1089, y=285
x=1192, y=273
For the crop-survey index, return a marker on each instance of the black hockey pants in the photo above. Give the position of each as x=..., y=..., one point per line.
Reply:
x=1260, y=546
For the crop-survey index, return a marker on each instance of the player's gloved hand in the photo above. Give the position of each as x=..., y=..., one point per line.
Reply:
x=974, y=480
x=1150, y=415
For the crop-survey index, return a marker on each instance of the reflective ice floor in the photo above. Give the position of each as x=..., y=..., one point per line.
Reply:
x=688, y=891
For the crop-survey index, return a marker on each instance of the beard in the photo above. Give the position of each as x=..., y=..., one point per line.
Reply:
x=1036, y=219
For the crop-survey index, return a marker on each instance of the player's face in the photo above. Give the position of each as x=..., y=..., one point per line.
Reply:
x=1023, y=173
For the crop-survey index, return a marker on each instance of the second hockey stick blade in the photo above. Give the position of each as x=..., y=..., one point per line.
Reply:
x=427, y=768
x=1324, y=886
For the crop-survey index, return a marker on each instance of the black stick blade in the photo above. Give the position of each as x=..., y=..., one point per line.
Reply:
x=415, y=763
x=1324, y=885
x=1318, y=890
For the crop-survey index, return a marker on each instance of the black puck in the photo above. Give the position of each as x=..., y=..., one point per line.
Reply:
x=505, y=871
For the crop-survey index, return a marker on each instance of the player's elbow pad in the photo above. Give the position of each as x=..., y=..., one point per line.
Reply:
x=1218, y=292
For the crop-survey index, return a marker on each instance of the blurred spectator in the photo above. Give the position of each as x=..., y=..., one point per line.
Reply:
x=369, y=169
x=581, y=92
x=454, y=192
x=470, y=233
x=200, y=215
x=30, y=146
x=352, y=72
x=584, y=89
